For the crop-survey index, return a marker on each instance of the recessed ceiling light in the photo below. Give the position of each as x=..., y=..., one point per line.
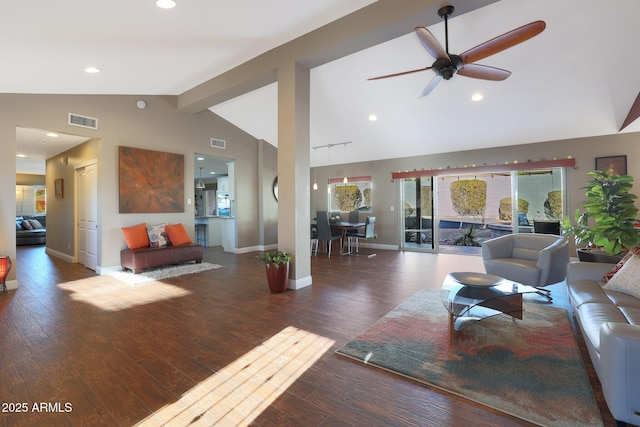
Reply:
x=477, y=97
x=21, y=155
x=199, y=158
x=373, y=117
x=166, y=4
x=92, y=70
x=52, y=134
x=212, y=173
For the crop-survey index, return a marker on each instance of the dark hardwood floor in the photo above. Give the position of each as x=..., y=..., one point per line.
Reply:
x=97, y=356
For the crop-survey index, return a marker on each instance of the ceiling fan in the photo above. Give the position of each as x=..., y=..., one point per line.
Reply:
x=446, y=64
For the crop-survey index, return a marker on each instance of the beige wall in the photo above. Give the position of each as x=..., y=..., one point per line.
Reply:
x=268, y=203
x=384, y=192
x=28, y=179
x=159, y=127
x=60, y=212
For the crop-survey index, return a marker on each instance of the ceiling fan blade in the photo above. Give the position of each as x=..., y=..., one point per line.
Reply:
x=431, y=44
x=400, y=74
x=431, y=86
x=483, y=72
x=502, y=42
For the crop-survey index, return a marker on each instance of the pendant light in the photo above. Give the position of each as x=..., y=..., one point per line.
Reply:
x=345, y=180
x=200, y=183
x=315, y=181
x=329, y=168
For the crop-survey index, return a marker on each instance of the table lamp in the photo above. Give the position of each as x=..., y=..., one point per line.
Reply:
x=5, y=267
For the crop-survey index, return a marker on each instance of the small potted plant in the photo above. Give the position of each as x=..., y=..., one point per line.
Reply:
x=277, y=266
x=606, y=225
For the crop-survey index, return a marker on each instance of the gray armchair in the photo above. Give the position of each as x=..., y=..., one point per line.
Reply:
x=536, y=260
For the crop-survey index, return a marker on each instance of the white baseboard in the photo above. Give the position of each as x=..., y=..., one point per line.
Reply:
x=61, y=255
x=380, y=246
x=106, y=270
x=262, y=248
x=299, y=283
x=257, y=248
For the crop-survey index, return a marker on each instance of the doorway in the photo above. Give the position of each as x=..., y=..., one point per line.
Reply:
x=42, y=162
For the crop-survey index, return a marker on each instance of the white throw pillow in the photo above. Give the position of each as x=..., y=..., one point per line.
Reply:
x=627, y=279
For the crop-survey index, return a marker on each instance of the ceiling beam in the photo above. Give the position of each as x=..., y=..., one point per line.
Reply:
x=634, y=113
x=374, y=24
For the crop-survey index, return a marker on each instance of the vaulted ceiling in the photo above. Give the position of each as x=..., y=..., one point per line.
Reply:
x=578, y=78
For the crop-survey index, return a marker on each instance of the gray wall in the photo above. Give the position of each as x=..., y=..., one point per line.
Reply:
x=162, y=127
x=385, y=194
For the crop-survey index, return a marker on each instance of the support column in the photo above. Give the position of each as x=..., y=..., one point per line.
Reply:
x=293, y=170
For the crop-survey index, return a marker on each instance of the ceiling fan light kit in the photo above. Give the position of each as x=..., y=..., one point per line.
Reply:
x=446, y=65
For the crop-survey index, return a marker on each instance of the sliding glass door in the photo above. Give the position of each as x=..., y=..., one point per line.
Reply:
x=417, y=223
x=472, y=208
x=540, y=195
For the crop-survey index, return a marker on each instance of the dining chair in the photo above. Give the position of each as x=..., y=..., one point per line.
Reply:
x=314, y=238
x=324, y=231
x=369, y=233
x=354, y=216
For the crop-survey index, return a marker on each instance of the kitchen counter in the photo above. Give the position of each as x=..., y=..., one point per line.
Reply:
x=220, y=231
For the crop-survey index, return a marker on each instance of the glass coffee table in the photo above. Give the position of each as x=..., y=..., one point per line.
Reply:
x=471, y=297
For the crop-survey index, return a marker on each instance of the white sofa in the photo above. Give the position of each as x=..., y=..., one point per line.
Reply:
x=610, y=325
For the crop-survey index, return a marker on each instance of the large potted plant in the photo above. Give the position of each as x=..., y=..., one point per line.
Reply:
x=605, y=224
x=277, y=266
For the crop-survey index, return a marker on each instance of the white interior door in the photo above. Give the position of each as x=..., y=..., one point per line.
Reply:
x=88, y=215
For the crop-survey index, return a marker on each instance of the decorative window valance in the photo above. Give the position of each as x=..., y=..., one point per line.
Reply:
x=484, y=168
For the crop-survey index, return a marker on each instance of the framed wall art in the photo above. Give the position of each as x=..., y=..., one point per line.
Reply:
x=59, y=188
x=355, y=194
x=150, y=181
x=616, y=163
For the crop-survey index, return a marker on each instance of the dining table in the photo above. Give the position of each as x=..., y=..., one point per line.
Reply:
x=344, y=227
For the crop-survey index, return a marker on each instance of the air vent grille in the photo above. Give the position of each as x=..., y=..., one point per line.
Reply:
x=218, y=143
x=83, y=121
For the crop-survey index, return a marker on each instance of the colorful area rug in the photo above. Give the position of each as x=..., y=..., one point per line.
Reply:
x=530, y=368
x=161, y=273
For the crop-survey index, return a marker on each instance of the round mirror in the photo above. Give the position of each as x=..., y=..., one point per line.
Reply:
x=275, y=188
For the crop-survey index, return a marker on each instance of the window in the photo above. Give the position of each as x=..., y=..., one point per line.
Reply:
x=30, y=200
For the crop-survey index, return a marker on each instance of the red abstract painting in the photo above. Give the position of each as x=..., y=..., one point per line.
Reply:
x=150, y=181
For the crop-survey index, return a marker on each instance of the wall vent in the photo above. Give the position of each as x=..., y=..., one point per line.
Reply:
x=83, y=121
x=218, y=143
